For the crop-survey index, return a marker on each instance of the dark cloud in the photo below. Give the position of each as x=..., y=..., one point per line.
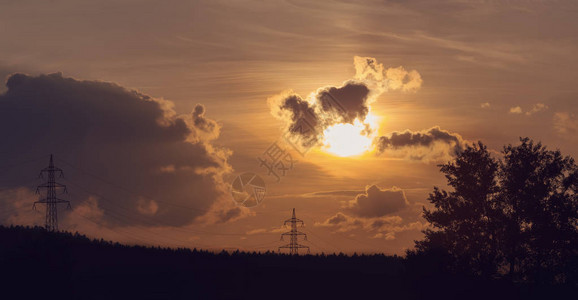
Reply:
x=376, y=202
x=342, y=222
x=430, y=144
x=301, y=122
x=307, y=119
x=297, y=109
x=202, y=123
x=130, y=151
x=234, y=213
x=378, y=223
x=344, y=104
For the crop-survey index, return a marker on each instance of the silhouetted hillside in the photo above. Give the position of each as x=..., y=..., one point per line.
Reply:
x=37, y=263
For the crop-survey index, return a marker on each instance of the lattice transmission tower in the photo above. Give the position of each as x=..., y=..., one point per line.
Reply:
x=51, y=200
x=293, y=245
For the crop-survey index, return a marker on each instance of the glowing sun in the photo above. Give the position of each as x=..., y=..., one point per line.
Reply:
x=347, y=139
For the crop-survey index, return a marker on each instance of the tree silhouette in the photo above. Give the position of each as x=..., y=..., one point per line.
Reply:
x=464, y=219
x=538, y=197
x=516, y=217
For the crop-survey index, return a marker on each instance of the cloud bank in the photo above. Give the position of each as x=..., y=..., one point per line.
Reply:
x=132, y=150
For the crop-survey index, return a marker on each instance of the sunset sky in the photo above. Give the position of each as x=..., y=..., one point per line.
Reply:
x=153, y=108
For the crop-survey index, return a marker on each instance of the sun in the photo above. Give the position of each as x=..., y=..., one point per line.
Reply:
x=347, y=139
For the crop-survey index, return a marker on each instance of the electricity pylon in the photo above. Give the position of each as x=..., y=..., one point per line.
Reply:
x=51, y=201
x=293, y=234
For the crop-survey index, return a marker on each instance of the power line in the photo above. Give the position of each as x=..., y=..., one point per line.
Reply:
x=132, y=236
x=132, y=193
x=144, y=219
x=22, y=163
x=323, y=240
x=156, y=221
x=51, y=222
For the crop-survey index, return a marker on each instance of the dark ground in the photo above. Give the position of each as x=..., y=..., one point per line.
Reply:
x=35, y=264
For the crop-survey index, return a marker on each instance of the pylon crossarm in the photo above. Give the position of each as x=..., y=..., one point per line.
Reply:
x=56, y=185
x=293, y=221
x=52, y=169
x=56, y=200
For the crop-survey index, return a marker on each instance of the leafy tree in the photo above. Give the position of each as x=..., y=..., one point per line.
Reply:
x=539, y=199
x=464, y=219
x=516, y=217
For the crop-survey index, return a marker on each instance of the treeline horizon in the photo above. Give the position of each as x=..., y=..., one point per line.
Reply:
x=74, y=266
x=194, y=249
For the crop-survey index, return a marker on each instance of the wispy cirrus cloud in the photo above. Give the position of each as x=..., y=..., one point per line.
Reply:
x=566, y=124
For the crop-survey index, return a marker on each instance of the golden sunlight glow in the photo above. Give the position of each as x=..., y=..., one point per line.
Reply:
x=347, y=139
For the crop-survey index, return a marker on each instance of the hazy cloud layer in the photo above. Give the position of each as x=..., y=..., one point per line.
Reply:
x=132, y=150
x=428, y=145
x=378, y=227
x=381, y=213
x=566, y=124
x=538, y=107
x=350, y=193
